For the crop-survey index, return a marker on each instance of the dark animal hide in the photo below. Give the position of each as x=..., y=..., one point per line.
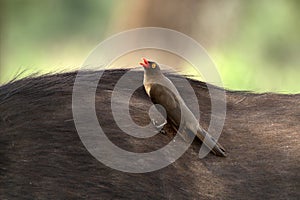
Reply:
x=42, y=156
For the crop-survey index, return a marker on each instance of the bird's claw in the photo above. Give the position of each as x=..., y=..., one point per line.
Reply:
x=157, y=125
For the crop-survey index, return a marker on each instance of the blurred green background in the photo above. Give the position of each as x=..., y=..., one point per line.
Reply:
x=255, y=44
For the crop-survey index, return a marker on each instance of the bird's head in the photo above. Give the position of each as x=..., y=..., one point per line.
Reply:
x=150, y=67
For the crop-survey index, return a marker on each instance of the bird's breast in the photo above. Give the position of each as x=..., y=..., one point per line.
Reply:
x=147, y=88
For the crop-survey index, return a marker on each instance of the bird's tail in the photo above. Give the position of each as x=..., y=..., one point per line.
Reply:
x=211, y=143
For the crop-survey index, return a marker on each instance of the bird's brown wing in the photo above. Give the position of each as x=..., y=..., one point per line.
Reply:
x=165, y=97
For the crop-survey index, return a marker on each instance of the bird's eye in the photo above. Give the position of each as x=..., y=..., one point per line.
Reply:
x=153, y=65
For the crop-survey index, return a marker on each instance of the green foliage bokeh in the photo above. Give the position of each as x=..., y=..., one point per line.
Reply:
x=261, y=55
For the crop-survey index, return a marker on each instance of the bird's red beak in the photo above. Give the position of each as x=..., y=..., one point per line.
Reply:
x=145, y=63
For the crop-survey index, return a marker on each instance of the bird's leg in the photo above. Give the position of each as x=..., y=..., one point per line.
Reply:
x=159, y=126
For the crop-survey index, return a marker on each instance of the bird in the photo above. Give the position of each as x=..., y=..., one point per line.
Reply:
x=163, y=92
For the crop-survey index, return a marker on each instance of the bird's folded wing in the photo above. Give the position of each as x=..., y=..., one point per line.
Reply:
x=164, y=96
